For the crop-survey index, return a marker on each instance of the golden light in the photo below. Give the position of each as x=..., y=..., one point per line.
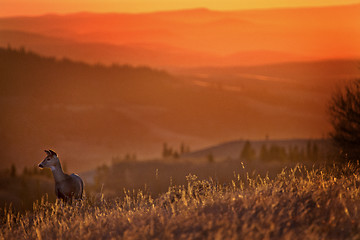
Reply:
x=36, y=7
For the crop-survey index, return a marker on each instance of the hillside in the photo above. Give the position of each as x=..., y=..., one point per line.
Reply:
x=300, y=203
x=70, y=105
x=232, y=149
x=191, y=38
x=149, y=54
x=109, y=111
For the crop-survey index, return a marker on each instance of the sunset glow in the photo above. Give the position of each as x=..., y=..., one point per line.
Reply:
x=179, y=119
x=131, y=82
x=37, y=7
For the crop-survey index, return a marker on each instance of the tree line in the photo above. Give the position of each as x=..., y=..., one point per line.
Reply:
x=278, y=153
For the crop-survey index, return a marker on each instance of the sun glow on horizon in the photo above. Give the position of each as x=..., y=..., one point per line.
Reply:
x=39, y=7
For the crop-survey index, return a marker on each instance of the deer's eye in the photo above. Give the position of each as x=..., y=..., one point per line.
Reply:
x=48, y=159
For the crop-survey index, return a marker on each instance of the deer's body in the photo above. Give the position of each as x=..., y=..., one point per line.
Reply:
x=67, y=187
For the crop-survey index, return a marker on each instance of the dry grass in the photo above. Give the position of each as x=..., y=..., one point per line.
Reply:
x=298, y=204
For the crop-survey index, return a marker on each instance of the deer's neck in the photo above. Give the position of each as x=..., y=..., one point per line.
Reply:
x=58, y=173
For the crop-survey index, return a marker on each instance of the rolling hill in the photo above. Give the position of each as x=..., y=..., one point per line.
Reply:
x=192, y=37
x=232, y=149
x=153, y=55
x=90, y=113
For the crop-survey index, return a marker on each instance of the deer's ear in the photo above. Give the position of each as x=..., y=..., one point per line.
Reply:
x=47, y=152
x=52, y=152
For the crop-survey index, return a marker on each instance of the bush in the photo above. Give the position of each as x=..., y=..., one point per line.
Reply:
x=344, y=112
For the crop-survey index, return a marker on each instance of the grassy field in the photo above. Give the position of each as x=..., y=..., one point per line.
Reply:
x=300, y=203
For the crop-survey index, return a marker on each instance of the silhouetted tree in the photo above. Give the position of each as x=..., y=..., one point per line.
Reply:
x=13, y=170
x=210, y=158
x=182, y=148
x=308, y=150
x=302, y=155
x=264, y=153
x=315, y=152
x=170, y=152
x=25, y=171
x=248, y=153
x=293, y=154
x=277, y=153
x=100, y=175
x=167, y=151
x=344, y=112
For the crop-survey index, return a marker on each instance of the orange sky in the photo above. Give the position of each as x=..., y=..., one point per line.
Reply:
x=36, y=7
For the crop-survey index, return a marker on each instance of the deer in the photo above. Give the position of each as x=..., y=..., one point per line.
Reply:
x=67, y=187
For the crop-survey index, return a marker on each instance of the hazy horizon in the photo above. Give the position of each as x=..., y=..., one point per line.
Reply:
x=23, y=8
x=224, y=75
x=180, y=119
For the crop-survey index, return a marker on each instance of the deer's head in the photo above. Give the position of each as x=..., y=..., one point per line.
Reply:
x=50, y=161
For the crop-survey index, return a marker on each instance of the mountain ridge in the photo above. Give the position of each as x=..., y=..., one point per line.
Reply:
x=187, y=10
x=113, y=110
x=151, y=54
x=325, y=33
x=232, y=149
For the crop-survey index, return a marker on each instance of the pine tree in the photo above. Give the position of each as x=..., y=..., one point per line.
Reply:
x=315, y=152
x=264, y=153
x=248, y=153
x=309, y=151
x=13, y=170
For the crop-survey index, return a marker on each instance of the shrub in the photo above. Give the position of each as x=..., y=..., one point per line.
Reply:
x=344, y=112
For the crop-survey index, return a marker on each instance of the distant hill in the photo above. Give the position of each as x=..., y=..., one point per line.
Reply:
x=232, y=149
x=154, y=55
x=197, y=37
x=91, y=113
x=71, y=106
